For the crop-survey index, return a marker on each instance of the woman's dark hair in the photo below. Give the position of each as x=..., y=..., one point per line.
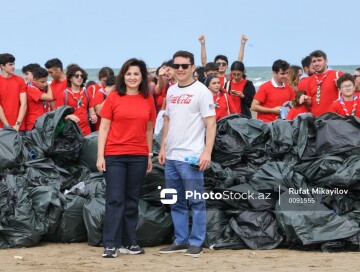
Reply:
x=71, y=71
x=295, y=102
x=238, y=66
x=90, y=83
x=201, y=73
x=106, y=72
x=120, y=79
x=208, y=79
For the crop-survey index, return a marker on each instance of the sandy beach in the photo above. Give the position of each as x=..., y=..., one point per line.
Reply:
x=81, y=257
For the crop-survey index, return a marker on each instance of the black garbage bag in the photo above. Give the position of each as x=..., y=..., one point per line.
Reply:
x=347, y=175
x=30, y=150
x=217, y=177
x=88, y=154
x=93, y=214
x=77, y=171
x=47, y=204
x=11, y=154
x=305, y=221
x=319, y=172
x=154, y=225
x=259, y=229
x=281, y=141
x=18, y=223
x=153, y=183
x=334, y=135
x=349, y=244
x=72, y=227
x=220, y=233
x=59, y=139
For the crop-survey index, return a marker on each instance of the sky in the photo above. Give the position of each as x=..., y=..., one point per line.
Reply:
x=101, y=33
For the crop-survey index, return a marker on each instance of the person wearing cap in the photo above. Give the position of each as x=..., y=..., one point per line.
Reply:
x=222, y=102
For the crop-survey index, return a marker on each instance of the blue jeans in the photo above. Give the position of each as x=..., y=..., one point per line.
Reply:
x=123, y=176
x=182, y=177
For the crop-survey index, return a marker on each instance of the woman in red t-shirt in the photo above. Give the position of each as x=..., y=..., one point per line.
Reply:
x=241, y=90
x=222, y=101
x=297, y=107
x=124, y=155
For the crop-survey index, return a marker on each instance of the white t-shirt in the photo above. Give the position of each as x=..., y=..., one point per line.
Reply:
x=186, y=107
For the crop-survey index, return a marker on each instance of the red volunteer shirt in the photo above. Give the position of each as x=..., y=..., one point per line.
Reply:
x=35, y=107
x=58, y=87
x=100, y=96
x=129, y=115
x=81, y=111
x=271, y=97
x=10, y=90
x=237, y=86
x=296, y=111
x=223, y=105
x=349, y=105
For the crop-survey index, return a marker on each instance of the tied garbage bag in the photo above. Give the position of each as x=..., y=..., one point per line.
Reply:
x=30, y=150
x=154, y=225
x=280, y=142
x=19, y=226
x=11, y=154
x=88, y=154
x=59, y=139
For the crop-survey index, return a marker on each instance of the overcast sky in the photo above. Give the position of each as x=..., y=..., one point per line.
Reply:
x=108, y=32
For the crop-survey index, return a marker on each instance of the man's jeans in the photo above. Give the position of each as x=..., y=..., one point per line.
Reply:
x=182, y=177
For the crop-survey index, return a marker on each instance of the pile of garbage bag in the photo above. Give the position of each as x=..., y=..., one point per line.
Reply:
x=286, y=184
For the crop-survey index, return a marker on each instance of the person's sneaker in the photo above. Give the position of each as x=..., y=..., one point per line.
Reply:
x=131, y=250
x=109, y=252
x=174, y=248
x=194, y=251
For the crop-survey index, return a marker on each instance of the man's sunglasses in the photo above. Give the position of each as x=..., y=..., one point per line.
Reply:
x=184, y=66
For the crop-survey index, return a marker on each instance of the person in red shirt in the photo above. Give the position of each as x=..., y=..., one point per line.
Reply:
x=28, y=72
x=308, y=72
x=274, y=93
x=321, y=90
x=241, y=90
x=348, y=104
x=37, y=97
x=222, y=101
x=297, y=107
x=12, y=94
x=75, y=95
x=125, y=155
x=101, y=96
x=59, y=83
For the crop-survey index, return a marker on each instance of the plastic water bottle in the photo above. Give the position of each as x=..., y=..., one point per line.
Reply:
x=193, y=161
x=32, y=154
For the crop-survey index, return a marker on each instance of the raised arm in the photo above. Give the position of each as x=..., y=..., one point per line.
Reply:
x=242, y=47
x=203, y=50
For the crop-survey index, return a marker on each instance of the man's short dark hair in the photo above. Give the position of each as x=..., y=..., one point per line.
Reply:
x=185, y=54
x=280, y=65
x=211, y=66
x=39, y=72
x=6, y=58
x=343, y=78
x=30, y=67
x=54, y=63
x=222, y=57
x=318, y=54
x=306, y=62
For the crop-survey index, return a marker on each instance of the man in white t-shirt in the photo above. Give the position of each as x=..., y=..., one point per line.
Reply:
x=189, y=117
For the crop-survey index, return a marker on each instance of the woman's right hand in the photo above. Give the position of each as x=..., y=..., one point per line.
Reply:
x=100, y=164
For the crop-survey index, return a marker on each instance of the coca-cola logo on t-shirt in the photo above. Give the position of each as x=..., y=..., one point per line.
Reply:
x=181, y=99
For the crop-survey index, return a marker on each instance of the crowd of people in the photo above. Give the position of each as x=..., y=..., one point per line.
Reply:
x=189, y=100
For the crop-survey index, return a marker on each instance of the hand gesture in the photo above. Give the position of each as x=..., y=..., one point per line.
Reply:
x=243, y=38
x=202, y=39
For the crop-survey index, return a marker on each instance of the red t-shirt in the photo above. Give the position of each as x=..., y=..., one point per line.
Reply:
x=160, y=98
x=100, y=96
x=329, y=92
x=58, y=87
x=303, y=84
x=224, y=105
x=10, y=90
x=81, y=111
x=338, y=108
x=271, y=97
x=129, y=115
x=35, y=107
x=237, y=86
x=93, y=90
x=296, y=111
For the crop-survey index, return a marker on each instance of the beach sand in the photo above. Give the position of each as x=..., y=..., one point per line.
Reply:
x=81, y=257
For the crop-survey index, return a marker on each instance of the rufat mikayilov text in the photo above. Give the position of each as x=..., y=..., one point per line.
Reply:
x=318, y=191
